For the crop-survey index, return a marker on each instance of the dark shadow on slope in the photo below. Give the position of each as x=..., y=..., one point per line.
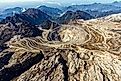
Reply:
x=8, y=73
x=4, y=58
x=65, y=68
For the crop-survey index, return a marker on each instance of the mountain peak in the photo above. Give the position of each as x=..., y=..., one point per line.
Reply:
x=71, y=15
x=115, y=2
x=54, y=12
x=32, y=11
x=31, y=15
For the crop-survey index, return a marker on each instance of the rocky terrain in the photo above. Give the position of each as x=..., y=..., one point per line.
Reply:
x=80, y=50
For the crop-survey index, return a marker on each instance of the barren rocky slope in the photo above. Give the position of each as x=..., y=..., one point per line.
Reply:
x=80, y=51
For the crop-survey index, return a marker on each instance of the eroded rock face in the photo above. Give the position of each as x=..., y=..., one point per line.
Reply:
x=85, y=51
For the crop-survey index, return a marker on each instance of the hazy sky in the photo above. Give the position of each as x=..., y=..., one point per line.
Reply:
x=25, y=3
x=60, y=1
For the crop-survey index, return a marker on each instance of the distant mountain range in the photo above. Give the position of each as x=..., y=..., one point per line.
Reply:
x=93, y=7
x=95, y=10
x=10, y=12
x=31, y=16
x=41, y=14
x=44, y=14
x=116, y=3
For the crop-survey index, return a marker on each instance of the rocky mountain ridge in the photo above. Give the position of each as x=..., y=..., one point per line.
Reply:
x=79, y=50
